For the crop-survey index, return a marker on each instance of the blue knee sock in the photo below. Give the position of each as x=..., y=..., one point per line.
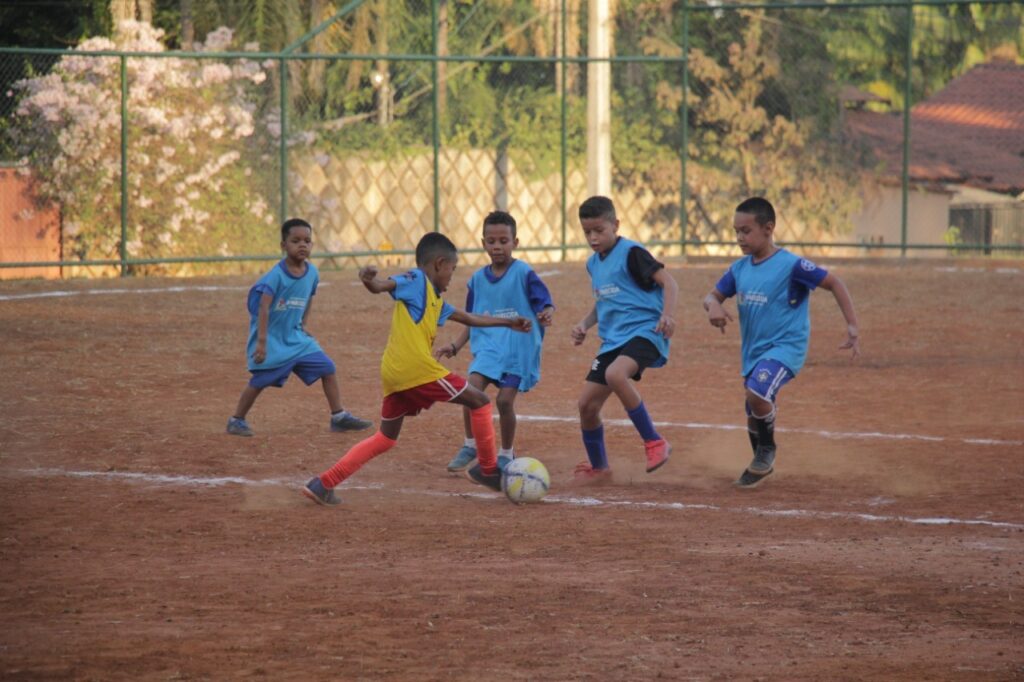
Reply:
x=642, y=422
x=593, y=441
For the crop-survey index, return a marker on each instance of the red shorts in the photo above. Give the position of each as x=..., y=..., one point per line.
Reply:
x=409, y=402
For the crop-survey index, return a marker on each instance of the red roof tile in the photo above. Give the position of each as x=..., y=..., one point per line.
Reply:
x=971, y=132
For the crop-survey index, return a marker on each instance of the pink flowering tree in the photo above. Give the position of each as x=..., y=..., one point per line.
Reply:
x=201, y=160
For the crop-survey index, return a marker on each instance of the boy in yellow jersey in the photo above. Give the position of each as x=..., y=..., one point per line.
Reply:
x=411, y=378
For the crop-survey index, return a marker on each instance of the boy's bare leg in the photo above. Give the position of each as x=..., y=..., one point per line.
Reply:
x=619, y=377
x=340, y=419
x=506, y=402
x=391, y=427
x=246, y=400
x=333, y=392
x=591, y=400
x=466, y=454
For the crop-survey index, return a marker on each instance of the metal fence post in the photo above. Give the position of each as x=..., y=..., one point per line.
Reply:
x=124, y=166
x=437, y=114
x=909, y=62
x=565, y=136
x=684, y=120
x=284, y=138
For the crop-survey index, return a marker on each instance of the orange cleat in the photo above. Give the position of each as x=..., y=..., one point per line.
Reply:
x=657, y=453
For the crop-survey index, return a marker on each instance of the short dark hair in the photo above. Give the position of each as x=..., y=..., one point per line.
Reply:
x=287, y=226
x=597, y=207
x=758, y=207
x=434, y=245
x=501, y=218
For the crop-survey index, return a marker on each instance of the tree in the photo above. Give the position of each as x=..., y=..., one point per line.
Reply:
x=195, y=156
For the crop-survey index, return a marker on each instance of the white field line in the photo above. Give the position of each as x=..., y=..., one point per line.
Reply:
x=101, y=292
x=154, y=290
x=217, y=481
x=813, y=432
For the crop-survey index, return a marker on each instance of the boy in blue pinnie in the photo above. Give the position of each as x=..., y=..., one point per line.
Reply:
x=635, y=298
x=510, y=360
x=279, y=305
x=772, y=288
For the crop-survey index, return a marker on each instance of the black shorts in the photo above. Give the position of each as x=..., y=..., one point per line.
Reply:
x=640, y=349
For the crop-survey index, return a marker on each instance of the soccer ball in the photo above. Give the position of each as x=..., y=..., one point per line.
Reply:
x=525, y=479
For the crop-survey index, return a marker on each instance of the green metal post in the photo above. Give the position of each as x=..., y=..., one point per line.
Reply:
x=909, y=63
x=124, y=166
x=565, y=138
x=437, y=115
x=685, y=122
x=283, y=63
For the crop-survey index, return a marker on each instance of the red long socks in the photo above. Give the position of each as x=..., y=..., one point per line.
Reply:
x=361, y=453
x=482, y=426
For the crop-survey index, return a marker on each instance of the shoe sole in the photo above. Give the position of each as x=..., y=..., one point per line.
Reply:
x=344, y=429
x=456, y=470
x=243, y=435
x=753, y=484
x=309, y=493
x=668, y=451
x=485, y=485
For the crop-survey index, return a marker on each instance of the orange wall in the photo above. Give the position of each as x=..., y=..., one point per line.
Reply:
x=28, y=233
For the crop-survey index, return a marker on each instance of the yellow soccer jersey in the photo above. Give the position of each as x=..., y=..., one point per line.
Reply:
x=408, y=359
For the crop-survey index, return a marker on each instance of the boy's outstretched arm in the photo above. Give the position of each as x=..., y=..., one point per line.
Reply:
x=667, y=324
x=520, y=324
x=450, y=350
x=368, y=276
x=717, y=315
x=842, y=294
x=579, y=332
x=262, y=322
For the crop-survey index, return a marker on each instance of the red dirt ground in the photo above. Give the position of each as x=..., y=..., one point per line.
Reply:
x=827, y=572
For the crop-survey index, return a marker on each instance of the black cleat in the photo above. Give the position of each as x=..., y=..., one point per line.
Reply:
x=492, y=481
x=748, y=479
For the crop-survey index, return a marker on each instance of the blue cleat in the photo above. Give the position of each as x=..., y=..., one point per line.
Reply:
x=462, y=459
x=504, y=461
x=238, y=427
x=346, y=421
x=316, y=491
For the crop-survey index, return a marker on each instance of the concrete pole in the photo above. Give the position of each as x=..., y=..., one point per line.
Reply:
x=599, y=109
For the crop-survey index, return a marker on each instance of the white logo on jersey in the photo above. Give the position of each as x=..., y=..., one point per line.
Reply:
x=751, y=298
x=286, y=303
x=606, y=291
x=807, y=265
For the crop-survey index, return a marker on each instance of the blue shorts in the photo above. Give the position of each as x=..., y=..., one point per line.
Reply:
x=309, y=368
x=506, y=381
x=767, y=377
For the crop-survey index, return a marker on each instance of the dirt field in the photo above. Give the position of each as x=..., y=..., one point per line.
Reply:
x=139, y=541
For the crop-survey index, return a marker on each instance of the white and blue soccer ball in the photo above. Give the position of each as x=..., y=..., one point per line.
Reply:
x=525, y=480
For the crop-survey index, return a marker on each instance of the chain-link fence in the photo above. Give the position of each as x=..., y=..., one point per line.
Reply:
x=859, y=121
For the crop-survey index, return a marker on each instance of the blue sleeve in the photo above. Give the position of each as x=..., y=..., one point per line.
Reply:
x=727, y=284
x=807, y=274
x=267, y=284
x=537, y=292
x=446, y=311
x=409, y=289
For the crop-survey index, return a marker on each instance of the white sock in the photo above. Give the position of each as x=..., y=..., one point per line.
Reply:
x=502, y=452
x=470, y=443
